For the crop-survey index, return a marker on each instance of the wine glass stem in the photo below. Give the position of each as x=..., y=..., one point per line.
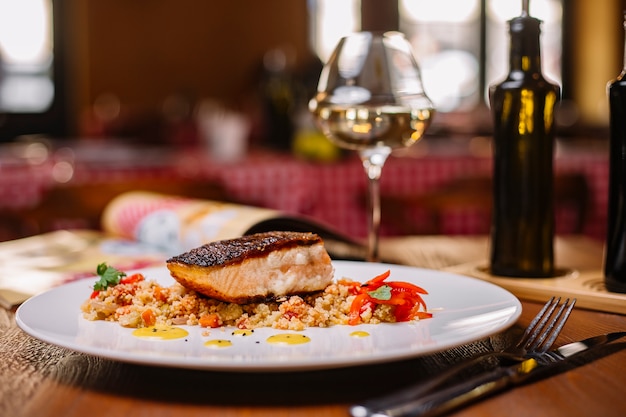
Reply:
x=373, y=162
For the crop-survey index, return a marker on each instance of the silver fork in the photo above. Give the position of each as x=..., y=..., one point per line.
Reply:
x=537, y=338
x=540, y=333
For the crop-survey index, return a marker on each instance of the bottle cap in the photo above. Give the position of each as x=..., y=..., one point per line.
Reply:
x=525, y=22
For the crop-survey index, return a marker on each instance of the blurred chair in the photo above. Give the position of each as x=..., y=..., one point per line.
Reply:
x=425, y=213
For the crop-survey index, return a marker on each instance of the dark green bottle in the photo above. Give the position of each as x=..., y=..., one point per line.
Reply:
x=523, y=225
x=615, y=251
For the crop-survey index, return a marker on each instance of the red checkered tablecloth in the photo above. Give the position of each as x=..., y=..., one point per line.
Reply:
x=335, y=193
x=332, y=193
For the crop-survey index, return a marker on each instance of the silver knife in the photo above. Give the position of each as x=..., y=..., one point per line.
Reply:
x=449, y=398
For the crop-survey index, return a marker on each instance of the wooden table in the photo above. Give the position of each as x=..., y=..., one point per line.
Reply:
x=37, y=379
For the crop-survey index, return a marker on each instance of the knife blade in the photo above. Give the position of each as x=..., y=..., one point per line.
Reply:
x=484, y=384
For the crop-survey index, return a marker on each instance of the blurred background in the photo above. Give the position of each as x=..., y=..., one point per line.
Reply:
x=84, y=81
x=67, y=66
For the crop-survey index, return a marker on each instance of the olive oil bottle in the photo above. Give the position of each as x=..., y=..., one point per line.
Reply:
x=522, y=106
x=615, y=251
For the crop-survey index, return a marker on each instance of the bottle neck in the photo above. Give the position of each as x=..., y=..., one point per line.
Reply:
x=525, y=52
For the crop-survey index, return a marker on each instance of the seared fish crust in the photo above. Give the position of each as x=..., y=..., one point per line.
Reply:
x=231, y=251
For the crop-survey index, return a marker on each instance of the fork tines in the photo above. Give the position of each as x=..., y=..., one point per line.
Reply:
x=546, y=326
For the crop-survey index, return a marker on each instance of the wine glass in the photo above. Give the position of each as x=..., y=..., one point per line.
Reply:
x=370, y=99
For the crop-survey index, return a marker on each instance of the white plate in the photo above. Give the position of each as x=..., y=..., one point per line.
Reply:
x=465, y=310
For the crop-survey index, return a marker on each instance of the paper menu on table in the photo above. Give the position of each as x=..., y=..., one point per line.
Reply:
x=35, y=264
x=176, y=224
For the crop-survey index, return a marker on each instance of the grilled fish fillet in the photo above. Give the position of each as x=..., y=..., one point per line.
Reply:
x=256, y=267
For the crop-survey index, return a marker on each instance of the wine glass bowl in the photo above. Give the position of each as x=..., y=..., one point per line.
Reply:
x=370, y=99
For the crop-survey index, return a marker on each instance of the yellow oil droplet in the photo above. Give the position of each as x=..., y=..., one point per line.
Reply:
x=243, y=332
x=218, y=343
x=359, y=333
x=161, y=332
x=288, y=339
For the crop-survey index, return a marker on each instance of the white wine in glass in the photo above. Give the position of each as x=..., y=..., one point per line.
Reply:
x=370, y=99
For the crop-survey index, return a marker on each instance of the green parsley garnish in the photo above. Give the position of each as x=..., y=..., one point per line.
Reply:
x=381, y=293
x=108, y=276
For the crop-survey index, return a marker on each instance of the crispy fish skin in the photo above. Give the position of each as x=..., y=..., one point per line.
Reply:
x=255, y=267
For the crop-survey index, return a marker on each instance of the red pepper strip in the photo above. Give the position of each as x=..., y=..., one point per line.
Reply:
x=414, y=298
x=360, y=301
x=393, y=301
x=416, y=313
x=378, y=279
x=94, y=294
x=418, y=302
x=406, y=286
x=404, y=306
x=403, y=312
x=408, y=290
x=401, y=296
x=410, y=311
x=132, y=279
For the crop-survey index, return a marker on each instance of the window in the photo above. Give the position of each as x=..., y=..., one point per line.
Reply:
x=25, y=56
x=462, y=45
x=446, y=39
x=332, y=20
x=29, y=69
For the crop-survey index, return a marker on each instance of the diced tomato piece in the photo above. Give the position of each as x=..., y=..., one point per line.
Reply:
x=148, y=317
x=160, y=293
x=132, y=279
x=357, y=306
x=210, y=320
